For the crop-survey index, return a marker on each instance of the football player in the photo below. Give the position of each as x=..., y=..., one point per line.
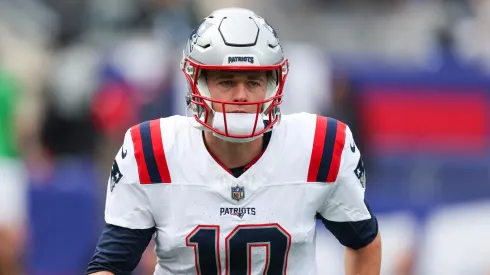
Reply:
x=236, y=188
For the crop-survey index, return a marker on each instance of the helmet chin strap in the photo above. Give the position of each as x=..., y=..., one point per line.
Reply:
x=237, y=124
x=236, y=140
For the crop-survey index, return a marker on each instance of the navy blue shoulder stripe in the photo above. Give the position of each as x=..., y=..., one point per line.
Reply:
x=149, y=152
x=327, y=150
x=150, y=160
x=326, y=154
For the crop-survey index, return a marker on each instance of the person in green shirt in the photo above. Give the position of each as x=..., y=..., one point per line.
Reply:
x=13, y=181
x=9, y=94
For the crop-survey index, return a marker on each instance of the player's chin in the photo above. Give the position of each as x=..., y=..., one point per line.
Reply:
x=240, y=111
x=237, y=109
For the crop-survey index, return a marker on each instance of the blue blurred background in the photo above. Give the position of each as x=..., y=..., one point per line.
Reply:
x=411, y=78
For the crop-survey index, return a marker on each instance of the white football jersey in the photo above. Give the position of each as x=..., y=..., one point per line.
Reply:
x=209, y=222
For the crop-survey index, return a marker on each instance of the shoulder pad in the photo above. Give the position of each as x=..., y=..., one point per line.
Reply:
x=141, y=158
x=149, y=153
x=328, y=145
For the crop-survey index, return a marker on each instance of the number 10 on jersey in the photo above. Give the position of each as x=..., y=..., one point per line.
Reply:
x=238, y=248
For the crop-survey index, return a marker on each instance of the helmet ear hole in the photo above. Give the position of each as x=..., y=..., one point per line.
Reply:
x=204, y=74
x=274, y=75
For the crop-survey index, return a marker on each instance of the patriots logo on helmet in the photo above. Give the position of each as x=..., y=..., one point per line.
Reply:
x=267, y=25
x=197, y=32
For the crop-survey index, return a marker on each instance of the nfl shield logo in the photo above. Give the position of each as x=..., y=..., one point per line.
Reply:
x=237, y=192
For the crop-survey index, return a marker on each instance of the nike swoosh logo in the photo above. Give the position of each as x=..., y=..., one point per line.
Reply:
x=123, y=152
x=353, y=147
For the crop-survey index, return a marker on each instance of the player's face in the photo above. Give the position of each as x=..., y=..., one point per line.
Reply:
x=246, y=86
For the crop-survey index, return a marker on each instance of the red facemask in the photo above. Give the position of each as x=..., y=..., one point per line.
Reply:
x=267, y=112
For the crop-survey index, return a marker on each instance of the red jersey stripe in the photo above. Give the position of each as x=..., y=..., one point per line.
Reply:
x=317, y=150
x=139, y=154
x=337, y=152
x=158, y=150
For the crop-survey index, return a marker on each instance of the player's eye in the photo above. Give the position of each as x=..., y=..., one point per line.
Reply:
x=226, y=83
x=254, y=84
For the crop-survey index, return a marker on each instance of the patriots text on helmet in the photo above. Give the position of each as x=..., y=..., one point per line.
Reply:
x=234, y=59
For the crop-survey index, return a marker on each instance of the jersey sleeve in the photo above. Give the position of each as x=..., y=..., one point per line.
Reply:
x=127, y=204
x=345, y=212
x=345, y=202
x=119, y=249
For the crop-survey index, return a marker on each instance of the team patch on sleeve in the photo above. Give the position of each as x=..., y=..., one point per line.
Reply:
x=149, y=153
x=326, y=154
x=360, y=173
x=116, y=175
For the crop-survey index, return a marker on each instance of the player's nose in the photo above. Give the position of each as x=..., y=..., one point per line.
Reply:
x=240, y=93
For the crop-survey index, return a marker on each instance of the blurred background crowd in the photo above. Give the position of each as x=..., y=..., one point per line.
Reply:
x=411, y=78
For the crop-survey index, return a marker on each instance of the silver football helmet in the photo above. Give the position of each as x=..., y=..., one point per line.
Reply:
x=234, y=39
